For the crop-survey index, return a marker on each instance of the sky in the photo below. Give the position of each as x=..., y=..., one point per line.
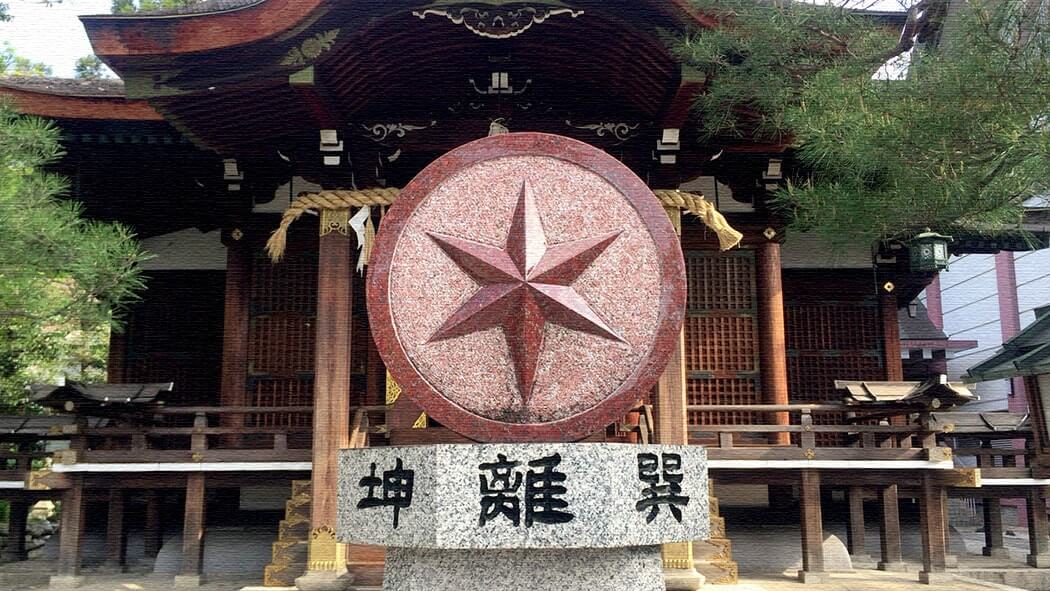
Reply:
x=53, y=35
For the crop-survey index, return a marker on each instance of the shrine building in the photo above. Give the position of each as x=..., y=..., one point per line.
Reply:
x=249, y=360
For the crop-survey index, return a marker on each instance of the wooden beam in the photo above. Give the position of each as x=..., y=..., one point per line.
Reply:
x=233, y=388
x=992, y=509
x=855, y=541
x=193, y=532
x=151, y=534
x=890, y=530
x=331, y=397
x=812, y=529
x=1039, y=549
x=670, y=402
x=18, y=516
x=771, y=331
x=891, y=337
x=72, y=528
x=116, y=540
x=932, y=526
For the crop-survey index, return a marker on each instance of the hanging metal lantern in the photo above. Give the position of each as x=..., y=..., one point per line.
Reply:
x=928, y=252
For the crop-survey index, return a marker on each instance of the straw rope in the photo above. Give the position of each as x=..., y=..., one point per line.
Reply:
x=340, y=200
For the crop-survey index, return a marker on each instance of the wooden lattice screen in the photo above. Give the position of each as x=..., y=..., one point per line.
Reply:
x=830, y=341
x=281, y=345
x=174, y=334
x=721, y=335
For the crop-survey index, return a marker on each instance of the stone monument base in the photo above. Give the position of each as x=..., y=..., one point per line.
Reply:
x=577, y=569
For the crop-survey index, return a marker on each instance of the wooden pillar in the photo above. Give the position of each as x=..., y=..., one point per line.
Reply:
x=67, y=571
x=993, y=529
x=858, y=550
x=15, y=549
x=233, y=388
x=890, y=530
x=772, y=340
x=931, y=525
x=116, y=542
x=192, y=532
x=1039, y=550
x=151, y=535
x=812, y=529
x=115, y=360
x=891, y=337
x=327, y=560
x=672, y=429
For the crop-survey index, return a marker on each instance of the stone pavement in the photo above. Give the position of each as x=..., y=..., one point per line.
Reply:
x=33, y=576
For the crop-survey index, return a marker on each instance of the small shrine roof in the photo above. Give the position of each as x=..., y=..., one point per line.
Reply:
x=82, y=397
x=918, y=327
x=934, y=393
x=1026, y=354
x=995, y=424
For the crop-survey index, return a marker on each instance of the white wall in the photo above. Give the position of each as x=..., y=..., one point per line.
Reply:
x=970, y=300
x=189, y=250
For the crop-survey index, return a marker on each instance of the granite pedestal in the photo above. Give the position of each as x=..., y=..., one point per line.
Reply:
x=545, y=516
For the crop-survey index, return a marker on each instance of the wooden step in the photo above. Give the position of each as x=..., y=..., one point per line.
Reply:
x=713, y=550
x=718, y=527
x=282, y=575
x=296, y=528
x=288, y=552
x=300, y=488
x=297, y=507
x=718, y=573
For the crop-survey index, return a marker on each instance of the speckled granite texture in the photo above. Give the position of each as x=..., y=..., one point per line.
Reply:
x=494, y=318
x=602, y=491
x=618, y=569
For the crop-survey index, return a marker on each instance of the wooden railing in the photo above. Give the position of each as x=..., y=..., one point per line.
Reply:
x=215, y=434
x=863, y=439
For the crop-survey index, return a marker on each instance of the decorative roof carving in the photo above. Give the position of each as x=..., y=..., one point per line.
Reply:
x=497, y=19
x=621, y=131
x=311, y=48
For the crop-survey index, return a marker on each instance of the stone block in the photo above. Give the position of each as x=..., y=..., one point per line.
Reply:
x=1038, y=560
x=62, y=582
x=617, y=569
x=998, y=552
x=597, y=488
x=812, y=578
x=928, y=578
x=894, y=567
x=677, y=579
x=188, y=581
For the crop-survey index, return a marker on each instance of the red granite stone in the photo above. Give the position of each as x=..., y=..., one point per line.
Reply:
x=526, y=287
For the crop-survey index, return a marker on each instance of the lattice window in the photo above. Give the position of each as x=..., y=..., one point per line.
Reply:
x=281, y=345
x=281, y=392
x=830, y=341
x=721, y=335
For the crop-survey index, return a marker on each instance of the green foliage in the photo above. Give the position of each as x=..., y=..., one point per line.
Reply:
x=88, y=67
x=957, y=145
x=12, y=64
x=129, y=6
x=61, y=277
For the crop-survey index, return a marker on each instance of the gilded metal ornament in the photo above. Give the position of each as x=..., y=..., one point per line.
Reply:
x=311, y=48
x=495, y=19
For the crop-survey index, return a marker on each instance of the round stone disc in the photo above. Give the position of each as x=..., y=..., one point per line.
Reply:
x=526, y=287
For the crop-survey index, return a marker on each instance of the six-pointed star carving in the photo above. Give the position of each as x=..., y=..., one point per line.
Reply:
x=523, y=286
